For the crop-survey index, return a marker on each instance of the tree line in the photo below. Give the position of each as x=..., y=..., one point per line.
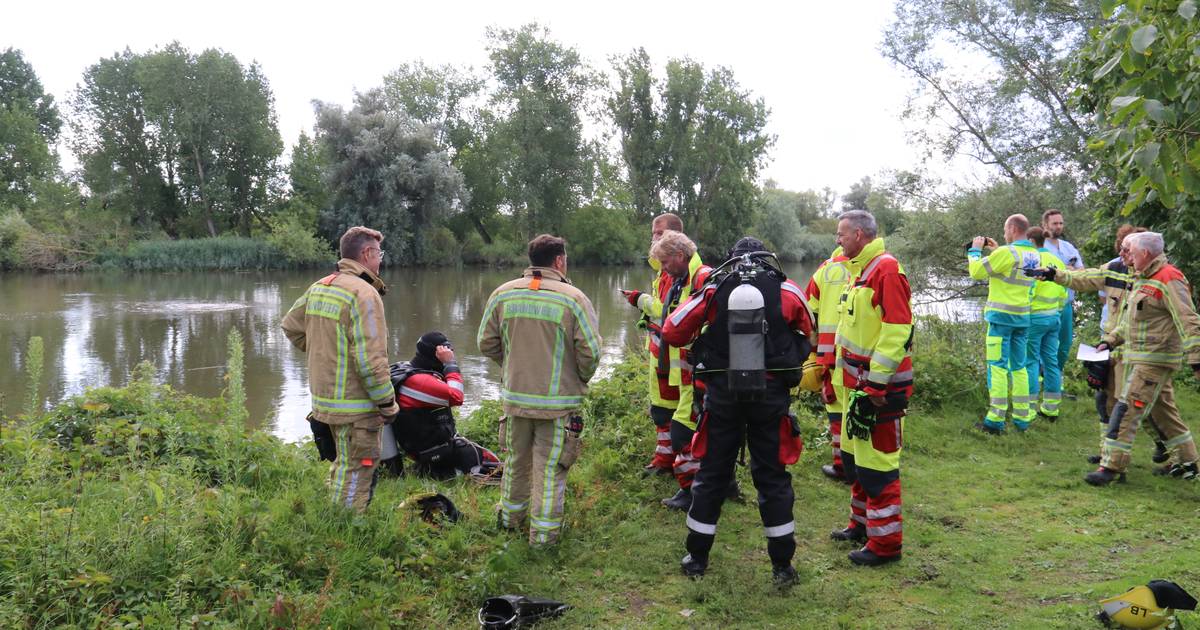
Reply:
x=451, y=163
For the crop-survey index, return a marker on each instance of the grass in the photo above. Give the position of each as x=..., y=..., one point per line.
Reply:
x=137, y=507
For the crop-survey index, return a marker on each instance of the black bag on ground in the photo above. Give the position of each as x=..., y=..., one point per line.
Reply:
x=517, y=611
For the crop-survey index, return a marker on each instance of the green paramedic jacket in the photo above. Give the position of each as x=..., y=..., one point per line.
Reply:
x=339, y=324
x=545, y=335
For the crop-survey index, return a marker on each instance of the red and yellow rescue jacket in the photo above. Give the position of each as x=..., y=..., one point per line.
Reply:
x=824, y=293
x=874, y=334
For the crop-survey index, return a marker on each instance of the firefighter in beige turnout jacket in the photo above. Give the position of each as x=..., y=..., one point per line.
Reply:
x=1158, y=329
x=544, y=333
x=339, y=324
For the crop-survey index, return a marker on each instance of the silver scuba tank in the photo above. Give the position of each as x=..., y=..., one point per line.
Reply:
x=387, y=448
x=747, y=340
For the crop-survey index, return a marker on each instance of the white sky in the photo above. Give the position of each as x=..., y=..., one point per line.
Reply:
x=834, y=101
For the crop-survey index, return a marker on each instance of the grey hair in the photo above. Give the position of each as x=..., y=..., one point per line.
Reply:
x=671, y=243
x=1149, y=242
x=861, y=220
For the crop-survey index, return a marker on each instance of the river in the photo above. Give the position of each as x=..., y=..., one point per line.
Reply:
x=97, y=326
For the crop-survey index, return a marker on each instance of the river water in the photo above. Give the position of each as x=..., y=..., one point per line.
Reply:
x=96, y=327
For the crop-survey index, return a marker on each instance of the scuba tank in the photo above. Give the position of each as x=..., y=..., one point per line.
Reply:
x=747, y=328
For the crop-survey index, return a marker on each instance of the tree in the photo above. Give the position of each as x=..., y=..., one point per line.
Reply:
x=187, y=142
x=538, y=145
x=634, y=109
x=448, y=99
x=29, y=127
x=1142, y=68
x=992, y=82
x=386, y=171
x=694, y=146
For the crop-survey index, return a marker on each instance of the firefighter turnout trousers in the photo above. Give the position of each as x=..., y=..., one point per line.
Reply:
x=1145, y=390
x=539, y=454
x=723, y=429
x=353, y=472
x=1006, y=349
x=873, y=468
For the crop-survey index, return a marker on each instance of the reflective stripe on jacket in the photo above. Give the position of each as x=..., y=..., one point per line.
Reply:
x=546, y=337
x=1112, y=278
x=1010, y=292
x=824, y=293
x=339, y=324
x=874, y=330
x=1159, y=325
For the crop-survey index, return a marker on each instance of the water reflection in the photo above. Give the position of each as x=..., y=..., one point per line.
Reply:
x=98, y=327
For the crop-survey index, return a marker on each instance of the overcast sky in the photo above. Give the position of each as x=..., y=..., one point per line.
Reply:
x=834, y=101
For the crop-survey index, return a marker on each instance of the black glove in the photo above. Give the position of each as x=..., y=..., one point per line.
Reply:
x=1047, y=273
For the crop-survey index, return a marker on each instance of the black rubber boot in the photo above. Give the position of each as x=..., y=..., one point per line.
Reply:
x=682, y=500
x=650, y=470
x=783, y=576
x=1184, y=471
x=692, y=567
x=866, y=558
x=1093, y=459
x=850, y=534
x=1103, y=476
x=1160, y=452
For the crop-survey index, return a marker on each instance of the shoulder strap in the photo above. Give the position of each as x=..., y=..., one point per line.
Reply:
x=328, y=280
x=536, y=283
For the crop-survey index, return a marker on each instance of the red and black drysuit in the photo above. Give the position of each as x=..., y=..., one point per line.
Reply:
x=425, y=429
x=763, y=421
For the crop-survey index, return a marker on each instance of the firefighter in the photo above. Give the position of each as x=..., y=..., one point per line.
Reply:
x=1158, y=329
x=664, y=369
x=874, y=364
x=1113, y=280
x=1009, y=302
x=1041, y=356
x=751, y=326
x=824, y=292
x=339, y=324
x=544, y=334
x=677, y=257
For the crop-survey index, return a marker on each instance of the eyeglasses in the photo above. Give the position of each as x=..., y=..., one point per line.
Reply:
x=375, y=249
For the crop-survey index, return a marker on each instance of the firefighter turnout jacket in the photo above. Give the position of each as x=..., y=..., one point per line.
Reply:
x=551, y=318
x=1159, y=325
x=339, y=324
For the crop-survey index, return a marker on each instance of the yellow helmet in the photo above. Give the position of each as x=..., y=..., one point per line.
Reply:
x=1147, y=607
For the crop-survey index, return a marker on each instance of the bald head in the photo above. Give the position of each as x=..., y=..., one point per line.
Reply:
x=1015, y=227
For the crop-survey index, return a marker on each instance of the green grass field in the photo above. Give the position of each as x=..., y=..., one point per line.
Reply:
x=158, y=517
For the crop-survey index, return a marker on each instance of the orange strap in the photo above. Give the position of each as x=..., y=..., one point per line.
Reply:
x=328, y=280
x=368, y=462
x=536, y=283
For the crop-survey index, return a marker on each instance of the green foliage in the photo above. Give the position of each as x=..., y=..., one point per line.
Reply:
x=1137, y=77
x=183, y=142
x=501, y=252
x=386, y=171
x=693, y=144
x=221, y=253
x=606, y=236
x=443, y=248
x=13, y=230
x=34, y=363
x=946, y=374
x=235, y=377
x=1007, y=105
x=139, y=507
x=29, y=127
x=538, y=145
x=297, y=243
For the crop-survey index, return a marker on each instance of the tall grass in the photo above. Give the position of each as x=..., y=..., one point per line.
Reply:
x=34, y=359
x=226, y=253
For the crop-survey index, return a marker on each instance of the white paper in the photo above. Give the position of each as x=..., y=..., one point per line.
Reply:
x=1088, y=353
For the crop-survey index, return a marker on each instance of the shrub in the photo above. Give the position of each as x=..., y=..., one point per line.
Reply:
x=605, y=236
x=441, y=248
x=299, y=245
